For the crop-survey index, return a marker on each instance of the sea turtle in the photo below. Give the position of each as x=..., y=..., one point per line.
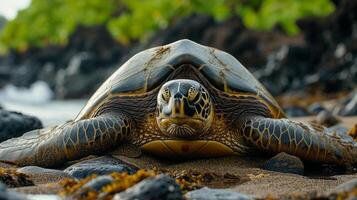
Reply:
x=180, y=100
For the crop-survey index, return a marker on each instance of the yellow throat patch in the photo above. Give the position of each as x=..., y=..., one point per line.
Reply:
x=187, y=148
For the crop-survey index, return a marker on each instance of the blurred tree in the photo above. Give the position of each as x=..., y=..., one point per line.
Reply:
x=45, y=22
x=2, y=22
x=266, y=14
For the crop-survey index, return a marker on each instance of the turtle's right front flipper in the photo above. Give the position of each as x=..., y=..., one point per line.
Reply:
x=69, y=141
x=309, y=142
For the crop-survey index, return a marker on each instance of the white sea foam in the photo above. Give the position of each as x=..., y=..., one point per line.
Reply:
x=39, y=92
x=37, y=101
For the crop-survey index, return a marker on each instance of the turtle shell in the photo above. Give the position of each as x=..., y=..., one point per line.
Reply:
x=150, y=68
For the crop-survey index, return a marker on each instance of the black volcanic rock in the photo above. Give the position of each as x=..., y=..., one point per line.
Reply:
x=159, y=187
x=100, y=166
x=285, y=163
x=14, y=124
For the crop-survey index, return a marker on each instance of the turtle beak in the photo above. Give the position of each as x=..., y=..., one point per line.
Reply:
x=177, y=108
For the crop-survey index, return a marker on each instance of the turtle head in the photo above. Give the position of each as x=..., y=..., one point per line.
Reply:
x=184, y=109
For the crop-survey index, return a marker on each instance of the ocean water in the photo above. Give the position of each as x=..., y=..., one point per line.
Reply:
x=37, y=101
x=52, y=112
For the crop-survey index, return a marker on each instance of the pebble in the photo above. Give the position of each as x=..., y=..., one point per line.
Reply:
x=346, y=190
x=215, y=194
x=8, y=195
x=326, y=118
x=98, y=183
x=100, y=166
x=316, y=108
x=41, y=175
x=285, y=163
x=159, y=187
x=350, y=107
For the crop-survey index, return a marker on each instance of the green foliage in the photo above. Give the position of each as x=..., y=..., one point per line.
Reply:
x=283, y=12
x=2, y=24
x=142, y=18
x=45, y=22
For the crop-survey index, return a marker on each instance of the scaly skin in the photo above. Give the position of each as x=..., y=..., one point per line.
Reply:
x=312, y=143
x=69, y=141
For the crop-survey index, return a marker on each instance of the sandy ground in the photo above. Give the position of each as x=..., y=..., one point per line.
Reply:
x=250, y=178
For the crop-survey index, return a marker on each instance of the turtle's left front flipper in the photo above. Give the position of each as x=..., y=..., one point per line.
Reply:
x=309, y=142
x=69, y=141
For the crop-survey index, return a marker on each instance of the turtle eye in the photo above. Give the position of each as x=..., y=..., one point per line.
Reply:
x=192, y=94
x=166, y=94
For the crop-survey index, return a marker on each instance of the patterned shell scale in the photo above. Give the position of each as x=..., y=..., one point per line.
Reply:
x=148, y=69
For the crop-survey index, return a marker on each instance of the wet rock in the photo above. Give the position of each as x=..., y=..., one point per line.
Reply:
x=100, y=166
x=102, y=187
x=333, y=40
x=349, y=108
x=283, y=68
x=7, y=195
x=41, y=175
x=98, y=41
x=41, y=189
x=326, y=118
x=215, y=194
x=5, y=75
x=347, y=190
x=14, y=124
x=99, y=182
x=48, y=74
x=285, y=163
x=94, y=185
x=25, y=74
x=316, y=108
x=83, y=62
x=159, y=187
x=91, y=55
x=347, y=186
x=66, y=80
x=296, y=111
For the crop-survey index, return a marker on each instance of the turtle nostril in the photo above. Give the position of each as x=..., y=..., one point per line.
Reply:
x=177, y=96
